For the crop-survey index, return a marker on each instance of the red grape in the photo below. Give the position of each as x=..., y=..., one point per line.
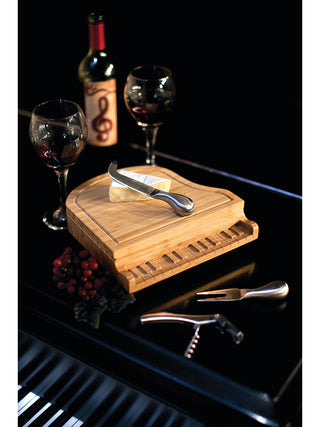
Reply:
x=88, y=285
x=84, y=254
x=93, y=264
x=84, y=264
x=71, y=290
x=80, y=274
x=57, y=263
x=87, y=272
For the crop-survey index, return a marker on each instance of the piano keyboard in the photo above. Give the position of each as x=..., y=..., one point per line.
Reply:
x=57, y=390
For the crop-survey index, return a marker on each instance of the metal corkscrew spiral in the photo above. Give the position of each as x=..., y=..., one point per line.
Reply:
x=193, y=343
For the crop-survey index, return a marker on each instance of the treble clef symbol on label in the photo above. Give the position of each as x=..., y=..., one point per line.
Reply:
x=102, y=125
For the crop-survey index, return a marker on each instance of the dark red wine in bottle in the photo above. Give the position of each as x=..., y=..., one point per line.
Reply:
x=97, y=72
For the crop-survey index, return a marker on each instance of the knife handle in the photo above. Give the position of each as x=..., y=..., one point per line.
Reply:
x=277, y=289
x=183, y=205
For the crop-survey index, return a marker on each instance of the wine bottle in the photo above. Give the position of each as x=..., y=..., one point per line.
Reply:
x=97, y=73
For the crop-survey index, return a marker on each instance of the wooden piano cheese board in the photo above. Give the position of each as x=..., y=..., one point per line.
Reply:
x=144, y=242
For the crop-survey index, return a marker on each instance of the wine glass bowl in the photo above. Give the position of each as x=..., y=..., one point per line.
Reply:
x=58, y=133
x=149, y=94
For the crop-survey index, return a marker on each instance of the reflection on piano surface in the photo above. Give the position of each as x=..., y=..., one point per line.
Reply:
x=58, y=390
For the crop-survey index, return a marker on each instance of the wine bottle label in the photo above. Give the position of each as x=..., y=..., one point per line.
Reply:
x=101, y=112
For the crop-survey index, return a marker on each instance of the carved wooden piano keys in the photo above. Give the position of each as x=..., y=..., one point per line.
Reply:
x=147, y=242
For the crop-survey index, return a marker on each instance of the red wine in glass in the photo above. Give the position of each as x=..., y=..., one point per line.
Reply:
x=58, y=133
x=149, y=94
x=150, y=114
x=62, y=152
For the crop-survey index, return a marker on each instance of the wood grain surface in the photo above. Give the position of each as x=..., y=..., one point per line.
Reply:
x=145, y=241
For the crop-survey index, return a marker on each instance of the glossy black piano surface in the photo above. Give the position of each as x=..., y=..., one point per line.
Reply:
x=81, y=394
x=140, y=369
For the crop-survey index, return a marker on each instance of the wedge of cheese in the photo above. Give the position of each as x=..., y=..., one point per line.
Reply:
x=120, y=193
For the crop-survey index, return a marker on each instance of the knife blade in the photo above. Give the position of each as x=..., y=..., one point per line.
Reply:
x=182, y=205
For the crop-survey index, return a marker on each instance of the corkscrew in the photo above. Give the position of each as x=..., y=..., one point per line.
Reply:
x=193, y=343
x=220, y=321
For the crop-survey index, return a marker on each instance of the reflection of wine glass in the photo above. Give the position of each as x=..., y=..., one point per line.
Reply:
x=58, y=132
x=149, y=93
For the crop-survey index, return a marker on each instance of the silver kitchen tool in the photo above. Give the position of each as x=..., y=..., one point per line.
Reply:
x=193, y=343
x=272, y=291
x=182, y=205
x=221, y=322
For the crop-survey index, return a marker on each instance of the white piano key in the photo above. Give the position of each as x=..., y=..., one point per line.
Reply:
x=53, y=418
x=73, y=422
x=26, y=402
x=37, y=414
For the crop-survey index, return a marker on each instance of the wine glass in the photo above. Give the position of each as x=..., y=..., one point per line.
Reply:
x=58, y=132
x=149, y=93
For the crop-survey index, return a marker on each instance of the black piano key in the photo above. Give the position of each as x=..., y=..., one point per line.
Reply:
x=139, y=412
x=75, y=405
x=61, y=383
x=30, y=369
x=115, y=411
x=27, y=349
x=175, y=420
x=110, y=395
x=158, y=418
x=23, y=347
x=145, y=415
x=37, y=380
x=45, y=379
x=92, y=399
x=73, y=389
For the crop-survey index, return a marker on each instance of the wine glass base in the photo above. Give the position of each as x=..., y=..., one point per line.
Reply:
x=56, y=219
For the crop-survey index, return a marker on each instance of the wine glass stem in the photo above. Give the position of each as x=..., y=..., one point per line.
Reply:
x=62, y=175
x=151, y=135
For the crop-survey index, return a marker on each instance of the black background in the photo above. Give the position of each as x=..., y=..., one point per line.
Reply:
x=237, y=68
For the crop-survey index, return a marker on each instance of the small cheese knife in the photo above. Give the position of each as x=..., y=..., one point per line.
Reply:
x=182, y=205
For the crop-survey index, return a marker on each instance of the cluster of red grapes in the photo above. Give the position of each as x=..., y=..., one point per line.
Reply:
x=80, y=274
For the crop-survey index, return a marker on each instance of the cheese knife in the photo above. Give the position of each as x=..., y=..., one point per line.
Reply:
x=182, y=205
